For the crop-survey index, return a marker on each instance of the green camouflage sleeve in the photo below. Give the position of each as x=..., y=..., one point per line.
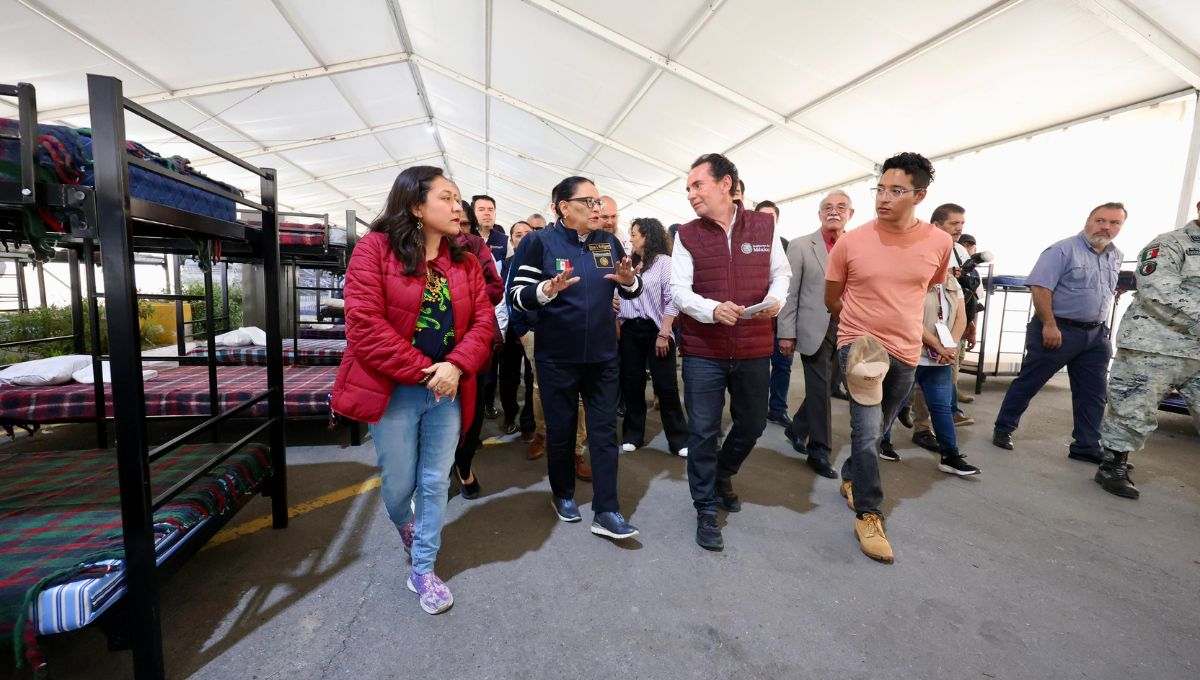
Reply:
x=1161, y=285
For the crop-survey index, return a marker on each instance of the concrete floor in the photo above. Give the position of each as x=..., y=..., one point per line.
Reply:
x=1028, y=571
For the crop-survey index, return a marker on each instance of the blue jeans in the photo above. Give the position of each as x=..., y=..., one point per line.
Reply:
x=781, y=375
x=705, y=382
x=937, y=384
x=415, y=441
x=867, y=424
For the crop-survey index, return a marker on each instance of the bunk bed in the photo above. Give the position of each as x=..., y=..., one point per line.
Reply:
x=123, y=517
x=301, y=352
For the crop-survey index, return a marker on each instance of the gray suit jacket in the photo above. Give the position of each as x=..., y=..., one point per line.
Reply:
x=804, y=316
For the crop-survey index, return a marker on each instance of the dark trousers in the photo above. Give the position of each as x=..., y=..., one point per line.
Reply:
x=464, y=455
x=812, y=426
x=489, y=390
x=561, y=386
x=705, y=382
x=781, y=375
x=638, y=337
x=512, y=360
x=1085, y=353
x=867, y=424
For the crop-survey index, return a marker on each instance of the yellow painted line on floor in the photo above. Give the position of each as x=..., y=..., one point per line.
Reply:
x=232, y=533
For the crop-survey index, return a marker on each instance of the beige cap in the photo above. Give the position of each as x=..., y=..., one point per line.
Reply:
x=866, y=366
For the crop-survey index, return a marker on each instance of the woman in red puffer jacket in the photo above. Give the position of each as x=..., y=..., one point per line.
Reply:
x=418, y=329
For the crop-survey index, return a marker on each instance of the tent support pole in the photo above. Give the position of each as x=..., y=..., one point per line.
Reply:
x=1187, y=193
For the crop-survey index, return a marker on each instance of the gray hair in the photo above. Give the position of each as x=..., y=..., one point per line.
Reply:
x=838, y=192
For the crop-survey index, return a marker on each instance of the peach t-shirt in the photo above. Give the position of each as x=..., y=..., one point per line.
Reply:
x=886, y=278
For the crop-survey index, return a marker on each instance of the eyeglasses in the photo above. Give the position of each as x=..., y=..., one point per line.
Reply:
x=591, y=203
x=835, y=208
x=894, y=192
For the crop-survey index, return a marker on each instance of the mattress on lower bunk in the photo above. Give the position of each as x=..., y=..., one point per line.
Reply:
x=177, y=391
x=64, y=156
x=310, y=234
x=61, y=545
x=337, y=332
x=313, y=352
x=1010, y=280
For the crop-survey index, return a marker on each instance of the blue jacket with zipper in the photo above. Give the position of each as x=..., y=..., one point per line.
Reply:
x=579, y=324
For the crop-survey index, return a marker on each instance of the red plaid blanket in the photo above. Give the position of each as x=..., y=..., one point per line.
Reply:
x=337, y=332
x=60, y=513
x=177, y=391
x=312, y=353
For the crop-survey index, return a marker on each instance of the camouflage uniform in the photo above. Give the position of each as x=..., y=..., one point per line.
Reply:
x=1158, y=346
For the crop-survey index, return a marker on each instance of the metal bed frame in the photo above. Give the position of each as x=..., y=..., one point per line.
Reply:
x=105, y=218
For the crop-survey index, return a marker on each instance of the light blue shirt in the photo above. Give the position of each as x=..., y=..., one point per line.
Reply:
x=1083, y=282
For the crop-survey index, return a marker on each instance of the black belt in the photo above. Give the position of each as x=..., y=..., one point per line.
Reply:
x=1085, y=325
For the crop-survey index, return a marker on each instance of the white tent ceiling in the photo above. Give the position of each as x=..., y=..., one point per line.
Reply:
x=512, y=95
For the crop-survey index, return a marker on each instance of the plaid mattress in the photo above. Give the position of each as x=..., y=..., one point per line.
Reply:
x=179, y=391
x=312, y=353
x=61, y=552
x=337, y=332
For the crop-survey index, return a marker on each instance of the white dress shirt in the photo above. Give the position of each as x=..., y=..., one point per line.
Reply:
x=701, y=308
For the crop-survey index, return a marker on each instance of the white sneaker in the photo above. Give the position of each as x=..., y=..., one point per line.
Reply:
x=627, y=447
x=683, y=452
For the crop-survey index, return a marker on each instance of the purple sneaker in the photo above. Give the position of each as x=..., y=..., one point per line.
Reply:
x=435, y=596
x=406, y=537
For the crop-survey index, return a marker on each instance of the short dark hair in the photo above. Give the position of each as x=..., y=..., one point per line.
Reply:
x=482, y=197
x=1112, y=205
x=566, y=189
x=912, y=164
x=741, y=187
x=967, y=240
x=720, y=166
x=768, y=204
x=944, y=211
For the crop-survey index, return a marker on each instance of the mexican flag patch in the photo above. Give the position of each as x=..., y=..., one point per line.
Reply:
x=1149, y=253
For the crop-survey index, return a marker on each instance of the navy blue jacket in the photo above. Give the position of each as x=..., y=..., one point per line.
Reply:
x=579, y=324
x=498, y=244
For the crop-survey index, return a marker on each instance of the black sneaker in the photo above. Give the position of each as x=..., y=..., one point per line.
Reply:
x=490, y=412
x=613, y=525
x=708, y=533
x=956, y=465
x=926, y=440
x=887, y=451
x=565, y=508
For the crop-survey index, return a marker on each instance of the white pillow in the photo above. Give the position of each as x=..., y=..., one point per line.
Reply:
x=87, y=377
x=335, y=303
x=238, y=338
x=257, y=335
x=50, y=371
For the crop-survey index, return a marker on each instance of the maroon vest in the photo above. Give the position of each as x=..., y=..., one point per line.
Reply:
x=742, y=278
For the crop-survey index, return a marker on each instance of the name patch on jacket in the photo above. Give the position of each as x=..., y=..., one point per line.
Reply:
x=602, y=254
x=748, y=248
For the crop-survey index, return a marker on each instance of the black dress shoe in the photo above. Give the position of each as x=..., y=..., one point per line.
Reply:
x=621, y=410
x=926, y=440
x=1093, y=457
x=819, y=462
x=905, y=417
x=780, y=419
x=797, y=446
x=490, y=412
x=469, y=491
x=708, y=533
x=1002, y=439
